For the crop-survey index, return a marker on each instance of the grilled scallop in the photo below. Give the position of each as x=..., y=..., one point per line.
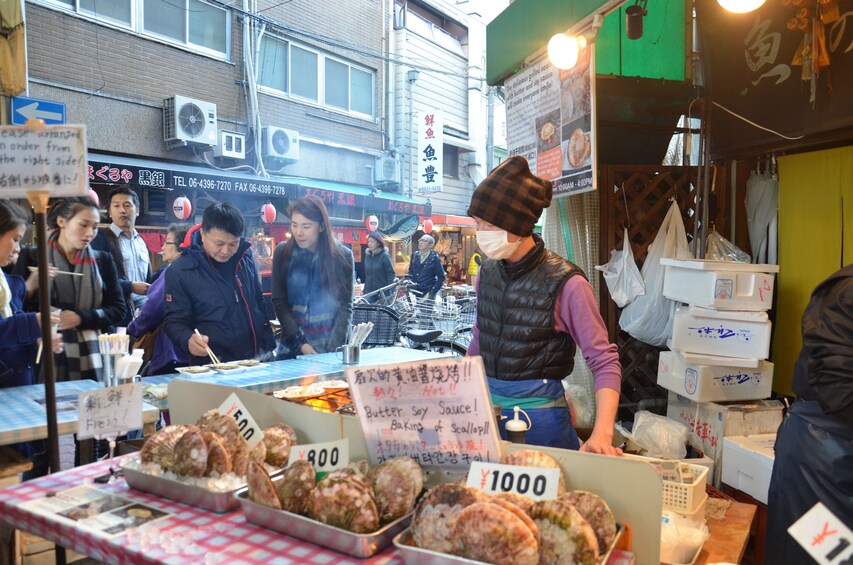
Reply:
x=533, y=458
x=437, y=512
x=344, y=500
x=218, y=456
x=490, y=532
x=261, y=488
x=564, y=535
x=396, y=484
x=191, y=455
x=523, y=502
x=295, y=486
x=597, y=513
x=278, y=443
x=160, y=447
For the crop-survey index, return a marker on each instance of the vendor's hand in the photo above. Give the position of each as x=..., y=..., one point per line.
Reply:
x=140, y=287
x=308, y=349
x=54, y=318
x=32, y=282
x=598, y=443
x=197, y=345
x=68, y=320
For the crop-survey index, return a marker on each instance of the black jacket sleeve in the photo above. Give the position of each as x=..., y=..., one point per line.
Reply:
x=113, y=306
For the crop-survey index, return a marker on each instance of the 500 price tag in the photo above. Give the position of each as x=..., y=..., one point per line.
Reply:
x=532, y=482
x=325, y=456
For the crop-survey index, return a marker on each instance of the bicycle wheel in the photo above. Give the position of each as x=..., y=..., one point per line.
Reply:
x=456, y=349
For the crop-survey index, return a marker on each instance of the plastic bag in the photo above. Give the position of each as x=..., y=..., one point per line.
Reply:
x=681, y=539
x=721, y=249
x=621, y=274
x=660, y=436
x=649, y=317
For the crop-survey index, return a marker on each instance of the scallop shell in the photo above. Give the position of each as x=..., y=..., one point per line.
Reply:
x=523, y=502
x=565, y=536
x=218, y=457
x=291, y=433
x=437, y=512
x=160, y=447
x=396, y=484
x=261, y=488
x=489, y=532
x=278, y=443
x=295, y=486
x=344, y=500
x=213, y=421
x=519, y=512
x=533, y=458
x=191, y=455
x=258, y=454
x=597, y=513
x=239, y=456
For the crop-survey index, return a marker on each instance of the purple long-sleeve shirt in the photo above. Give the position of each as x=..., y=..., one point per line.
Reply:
x=576, y=313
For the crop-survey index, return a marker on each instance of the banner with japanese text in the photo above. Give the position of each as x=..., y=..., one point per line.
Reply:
x=551, y=122
x=429, y=161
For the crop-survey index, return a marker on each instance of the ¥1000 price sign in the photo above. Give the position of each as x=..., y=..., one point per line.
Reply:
x=438, y=411
x=533, y=482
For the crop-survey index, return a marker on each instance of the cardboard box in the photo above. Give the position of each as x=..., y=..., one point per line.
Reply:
x=711, y=422
x=722, y=285
x=711, y=378
x=748, y=463
x=715, y=332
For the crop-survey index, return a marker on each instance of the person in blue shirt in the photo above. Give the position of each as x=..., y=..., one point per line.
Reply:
x=425, y=269
x=213, y=287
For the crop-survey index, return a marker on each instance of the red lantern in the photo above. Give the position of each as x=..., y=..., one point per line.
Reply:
x=427, y=226
x=182, y=208
x=372, y=223
x=94, y=196
x=268, y=213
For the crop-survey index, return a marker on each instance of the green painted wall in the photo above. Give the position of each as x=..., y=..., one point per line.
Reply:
x=526, y=26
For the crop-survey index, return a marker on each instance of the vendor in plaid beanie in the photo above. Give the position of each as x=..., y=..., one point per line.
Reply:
x=533, y=309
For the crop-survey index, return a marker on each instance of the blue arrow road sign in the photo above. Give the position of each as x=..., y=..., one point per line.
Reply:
x=24, y=108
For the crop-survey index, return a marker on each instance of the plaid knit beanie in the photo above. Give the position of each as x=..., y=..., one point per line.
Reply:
x=511, y=197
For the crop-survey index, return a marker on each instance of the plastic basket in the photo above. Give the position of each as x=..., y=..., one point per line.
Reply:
x=386, y=324
x=685, y=497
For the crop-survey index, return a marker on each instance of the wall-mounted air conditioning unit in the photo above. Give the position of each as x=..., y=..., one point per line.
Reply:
x=279, y=143
x=386, y=170
x=231, y=144
x=187, y=121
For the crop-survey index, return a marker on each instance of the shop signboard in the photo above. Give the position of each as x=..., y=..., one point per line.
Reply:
x=551, y=122
x=48, y=159
x=429, y=160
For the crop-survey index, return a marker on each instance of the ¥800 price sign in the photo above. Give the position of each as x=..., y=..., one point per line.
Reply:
x=826, y=538
x=533, y=482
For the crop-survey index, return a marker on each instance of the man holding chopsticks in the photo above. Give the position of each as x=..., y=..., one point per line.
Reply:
x=213, y=294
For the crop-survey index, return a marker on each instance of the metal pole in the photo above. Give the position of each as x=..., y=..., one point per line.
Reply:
x=697, y=199
x=706, y=189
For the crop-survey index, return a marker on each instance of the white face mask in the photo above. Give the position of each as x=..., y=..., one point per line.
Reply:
x=495, y=244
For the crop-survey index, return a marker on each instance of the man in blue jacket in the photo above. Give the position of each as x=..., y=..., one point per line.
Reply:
x=425, y=268
x=214, y=287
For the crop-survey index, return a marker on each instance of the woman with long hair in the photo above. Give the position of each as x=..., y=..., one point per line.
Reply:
x=378, y=267
x=312, y=283
x=90, y=301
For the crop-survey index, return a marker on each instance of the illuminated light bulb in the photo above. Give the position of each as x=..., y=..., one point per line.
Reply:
x=563, y=51
x=741, y=6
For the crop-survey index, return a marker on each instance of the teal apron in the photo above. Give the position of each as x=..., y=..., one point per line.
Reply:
x=545, y=402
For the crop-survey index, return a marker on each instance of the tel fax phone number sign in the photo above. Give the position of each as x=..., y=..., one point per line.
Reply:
x=48, y=159
x=437, y=412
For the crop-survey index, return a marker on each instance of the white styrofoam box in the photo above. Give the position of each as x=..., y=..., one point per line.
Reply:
x=726, y=333
x=748, y=463
x=712, y=421
x=712, y=378
x=723, y=285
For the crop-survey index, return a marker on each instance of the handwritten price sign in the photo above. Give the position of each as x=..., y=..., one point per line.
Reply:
x=824, y=536
x=533, y=482
x=250, y=429
x=326, y=456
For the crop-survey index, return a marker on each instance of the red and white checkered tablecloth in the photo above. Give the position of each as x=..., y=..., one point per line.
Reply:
x=189, y=535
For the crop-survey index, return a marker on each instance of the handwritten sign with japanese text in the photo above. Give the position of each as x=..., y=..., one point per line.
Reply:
x=438, y=412
x=112, y=410
x=51, y=159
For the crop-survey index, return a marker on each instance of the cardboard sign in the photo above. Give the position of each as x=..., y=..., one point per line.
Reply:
x=250, y=429
x=51, y=159
x=326, y=456
x=538, y=483
x=109, y=411
x=438, y=412
x=826, y=538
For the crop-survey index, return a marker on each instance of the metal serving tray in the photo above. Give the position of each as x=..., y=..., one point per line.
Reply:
x=323, y=535
x=414, y=555
x=182, y=492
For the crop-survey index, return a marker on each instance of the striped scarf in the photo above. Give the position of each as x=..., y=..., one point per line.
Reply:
x=312, y=305
x=81, y=359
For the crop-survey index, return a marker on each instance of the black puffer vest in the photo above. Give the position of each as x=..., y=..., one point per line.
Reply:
x=515, y=317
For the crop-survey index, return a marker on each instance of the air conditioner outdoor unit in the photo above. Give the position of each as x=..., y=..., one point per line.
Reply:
x=279, y=143
x=231, y=144
x=386, y=170
x=187, y=121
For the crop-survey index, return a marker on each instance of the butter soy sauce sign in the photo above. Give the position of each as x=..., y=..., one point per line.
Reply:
x=326, y=456
x=537, y=483
x=247, y=426
x=109, y=411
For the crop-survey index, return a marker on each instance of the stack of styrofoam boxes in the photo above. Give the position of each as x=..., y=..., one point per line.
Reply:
x=720, y=337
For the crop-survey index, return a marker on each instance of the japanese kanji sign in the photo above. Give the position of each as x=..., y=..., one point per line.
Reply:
x=429, y=160
x=109, y=411
x=52, y=159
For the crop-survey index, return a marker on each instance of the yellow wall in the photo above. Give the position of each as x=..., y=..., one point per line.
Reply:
x=815, y=240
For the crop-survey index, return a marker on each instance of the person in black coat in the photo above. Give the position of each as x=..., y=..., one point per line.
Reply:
x=378, y=268
x=425, y=268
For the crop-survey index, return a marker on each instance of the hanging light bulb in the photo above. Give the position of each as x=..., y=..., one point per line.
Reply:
x=563, y=50
x=741, y=6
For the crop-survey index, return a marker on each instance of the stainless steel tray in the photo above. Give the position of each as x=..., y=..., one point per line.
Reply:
x=323, y=535
x=414, y=555
x=180, y=491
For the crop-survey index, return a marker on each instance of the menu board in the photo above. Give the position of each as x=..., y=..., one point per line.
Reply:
x=551, y=122
x=438, y=411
